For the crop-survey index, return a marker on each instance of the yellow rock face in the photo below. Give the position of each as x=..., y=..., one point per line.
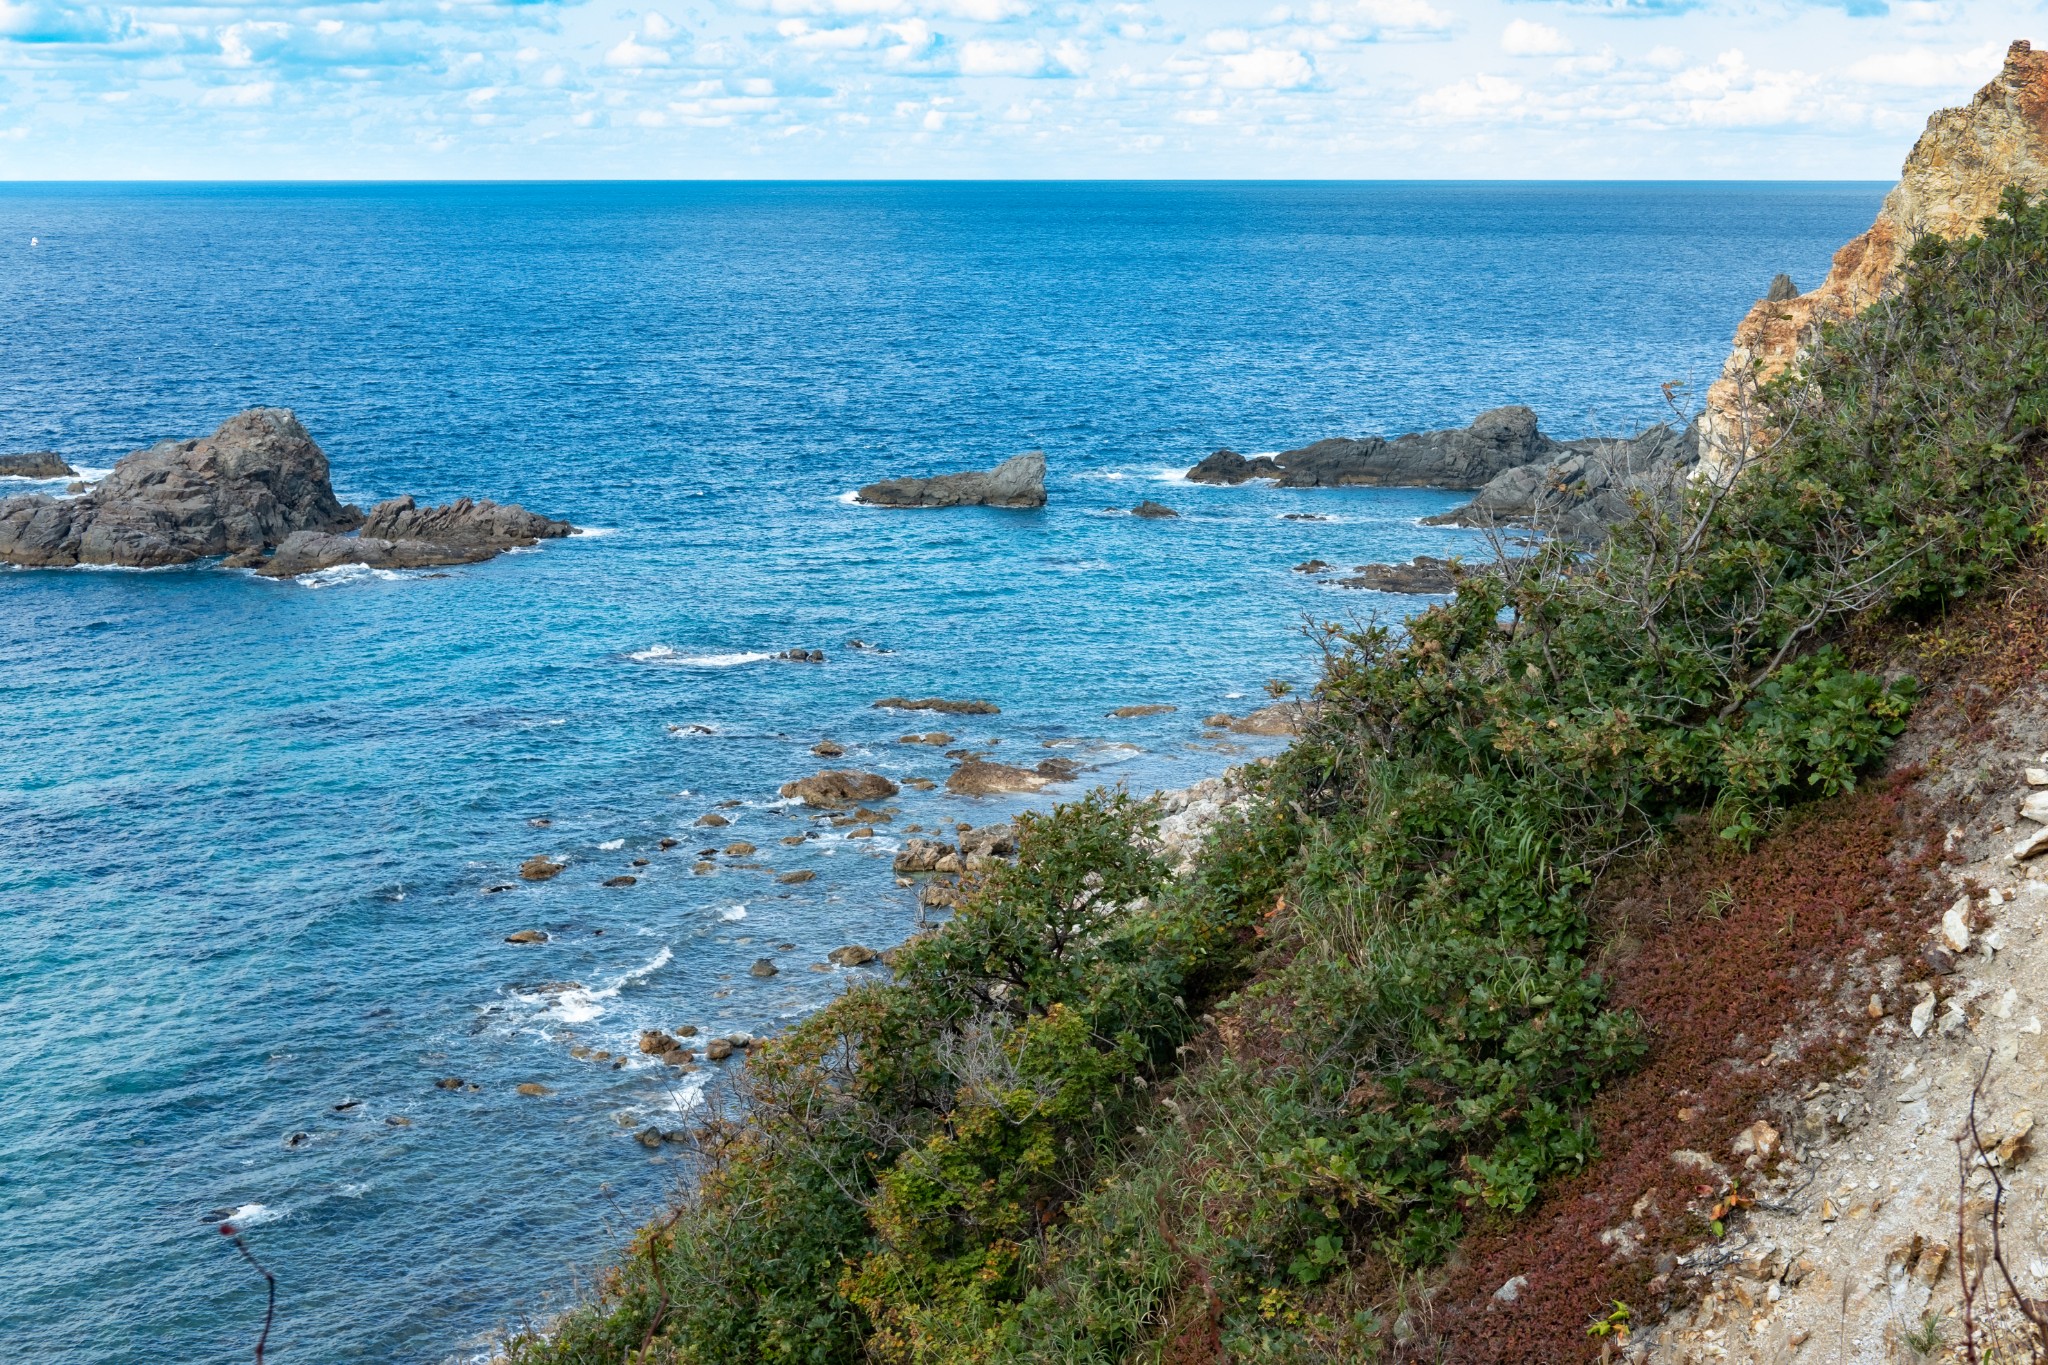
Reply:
x=1952, y=181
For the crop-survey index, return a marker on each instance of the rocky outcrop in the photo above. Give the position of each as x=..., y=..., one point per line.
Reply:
x=837, y=788
x=258, y=484
x=37, y=464
x=1153, y=511
x=1465, y=457
x=1952, y=181
x=247, y=487
x=1016, y=482
x=1584, y=486
x=939, y=704
x=1423, y=574
x=1282, y=718
x=979, y=777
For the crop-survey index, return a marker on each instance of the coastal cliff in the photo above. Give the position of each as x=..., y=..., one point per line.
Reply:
x=1952, y=181
x=1545, y=1001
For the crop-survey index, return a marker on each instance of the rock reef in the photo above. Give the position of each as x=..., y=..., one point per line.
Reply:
x=1016, y=482
x=1524, y=478
x=37, y=464
x=256, y=491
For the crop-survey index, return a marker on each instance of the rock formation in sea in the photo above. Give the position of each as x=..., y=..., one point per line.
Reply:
x=258, y=484
x=1423, y=574
x=1464, y=457
x=37, y=464
x=1016, y=482
x=1523, y=477
x=1952, y=180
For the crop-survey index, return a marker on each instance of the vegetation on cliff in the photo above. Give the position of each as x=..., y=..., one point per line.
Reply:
x=1108, y=1113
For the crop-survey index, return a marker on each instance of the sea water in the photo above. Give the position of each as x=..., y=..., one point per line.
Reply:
x=247, y=828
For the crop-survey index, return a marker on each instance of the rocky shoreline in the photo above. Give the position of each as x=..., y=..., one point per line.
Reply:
x=256, y=494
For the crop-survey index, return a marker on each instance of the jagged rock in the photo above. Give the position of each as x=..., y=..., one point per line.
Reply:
x=1781, y=289
x=1422, y=575
x=1153, y=511
x=837, y=788
x=920, y=855
x=1226, y=466
x=1311, y=566
x=37, y=464
x=951, y=708
x=989, y=841
x=248, y=486
x=1952, y=180
x=479, y=524
x=654, y=1042
x=306, y=552
x=1580, y=488
x=1016, y=482
x=540, y=869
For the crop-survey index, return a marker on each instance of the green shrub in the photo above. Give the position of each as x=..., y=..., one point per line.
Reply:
x=976, y=1163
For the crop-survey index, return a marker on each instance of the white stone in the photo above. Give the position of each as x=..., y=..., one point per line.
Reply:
x=2035, y=807
x=1923, y=1014
x=2037, y=777
x=2029, y=846
x=1955, y=926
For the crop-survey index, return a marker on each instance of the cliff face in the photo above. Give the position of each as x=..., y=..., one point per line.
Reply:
x=1951, y=182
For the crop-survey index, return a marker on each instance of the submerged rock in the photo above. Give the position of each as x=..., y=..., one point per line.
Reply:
x=1153, y=511
x=951, y=708
x=836, y=788
x=541, y=868
x=527, y=936
x=1279, y=720
x=37, y=464
x=1150, y=709
x=1016, y=482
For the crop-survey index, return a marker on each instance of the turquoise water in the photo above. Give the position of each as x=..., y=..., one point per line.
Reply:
x=248, y=824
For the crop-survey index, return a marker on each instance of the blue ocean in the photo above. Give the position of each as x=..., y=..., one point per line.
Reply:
x=249, y=825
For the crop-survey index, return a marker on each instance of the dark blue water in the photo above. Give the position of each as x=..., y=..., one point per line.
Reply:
x=247, y=824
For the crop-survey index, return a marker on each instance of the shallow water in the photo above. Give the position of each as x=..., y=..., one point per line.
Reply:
x=249, y=823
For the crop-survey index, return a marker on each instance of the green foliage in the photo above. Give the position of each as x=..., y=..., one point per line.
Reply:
x=1000, y=1157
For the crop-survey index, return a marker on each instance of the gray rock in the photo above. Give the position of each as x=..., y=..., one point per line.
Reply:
x=1465, y=457
x=1016, y=482
x=1583, y=487
x=837, y=788
x=309, y=551
x=37, y=464
x=1153, y=511
x=463, y=523
x=1423, y=574
x=1782, y=289
x=248, y=486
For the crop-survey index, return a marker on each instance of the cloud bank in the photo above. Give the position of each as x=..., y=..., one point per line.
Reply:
x=793, y=88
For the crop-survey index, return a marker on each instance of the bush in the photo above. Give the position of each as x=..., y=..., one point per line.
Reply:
x=976, y=1163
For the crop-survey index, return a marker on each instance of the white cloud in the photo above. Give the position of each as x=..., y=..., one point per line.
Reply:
x=1476, y=97
x=246, y=95
x=1524, y=38
x=634, y=55
x=1923, y=68
x=656, y=25
x=1265, y=68
x=988, y=58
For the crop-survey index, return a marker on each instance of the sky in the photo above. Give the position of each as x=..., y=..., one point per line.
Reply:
x=798, y=89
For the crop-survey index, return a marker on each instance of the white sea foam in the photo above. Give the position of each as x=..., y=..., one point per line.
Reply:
x=665, y=654
x=610, y=844
x=593, y=532
x=344, y=574
x=581, y=1004
x=851, y=497
x=733, y=914
x=253, y=1215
